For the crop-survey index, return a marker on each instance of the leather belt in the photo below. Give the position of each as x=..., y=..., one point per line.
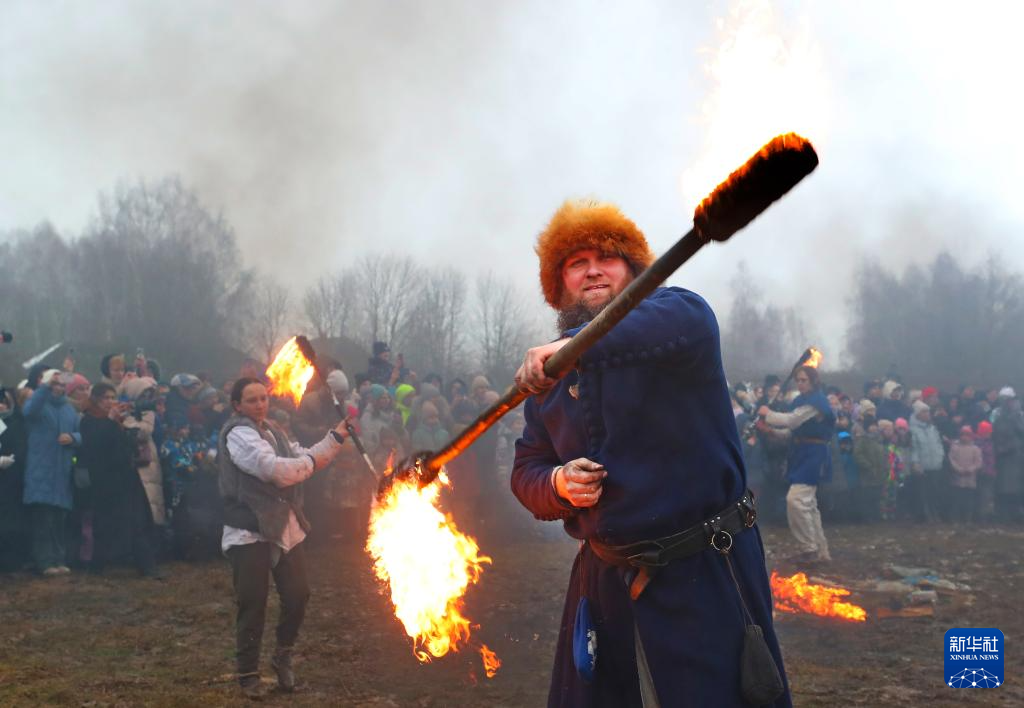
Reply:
x=647, y=557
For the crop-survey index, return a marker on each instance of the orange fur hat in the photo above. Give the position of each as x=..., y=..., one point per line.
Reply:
x=581, y=224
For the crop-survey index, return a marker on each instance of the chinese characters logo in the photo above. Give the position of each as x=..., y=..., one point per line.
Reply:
x=974, y=658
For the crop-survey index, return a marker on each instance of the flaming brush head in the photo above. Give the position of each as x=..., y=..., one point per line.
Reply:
x=306, y=348
x=773, y=171
x=412, y=466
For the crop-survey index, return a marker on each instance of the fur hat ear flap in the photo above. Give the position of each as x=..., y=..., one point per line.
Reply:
x=583, y=224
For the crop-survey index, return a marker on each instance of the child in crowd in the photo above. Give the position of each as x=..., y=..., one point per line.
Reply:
x=985, y=510
x=178, y=457
x=966, y=460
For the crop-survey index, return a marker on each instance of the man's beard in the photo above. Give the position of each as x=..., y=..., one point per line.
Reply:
x=578, y=313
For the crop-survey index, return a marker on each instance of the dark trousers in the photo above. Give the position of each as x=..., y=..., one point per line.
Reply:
x=48, y=536
x=252, y=571
x=962, y=503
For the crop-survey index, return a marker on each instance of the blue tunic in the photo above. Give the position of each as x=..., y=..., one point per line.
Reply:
x=810, y=459
x=654, y=409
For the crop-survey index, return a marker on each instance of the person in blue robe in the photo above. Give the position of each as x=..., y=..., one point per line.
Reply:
x=637, y=443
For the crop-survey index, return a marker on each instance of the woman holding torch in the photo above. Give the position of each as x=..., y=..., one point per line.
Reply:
x=261, y=473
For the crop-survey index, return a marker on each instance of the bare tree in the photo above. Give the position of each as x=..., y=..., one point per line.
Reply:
x=505, y=327
x=759, y=336
x=434, y=337
x=269, y=316
x=389, y=285
x=332, y=304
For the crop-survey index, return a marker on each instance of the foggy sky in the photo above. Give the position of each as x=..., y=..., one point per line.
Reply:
x=452, y=130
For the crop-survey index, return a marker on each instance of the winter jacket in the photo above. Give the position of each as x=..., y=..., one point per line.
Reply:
x=48, y=467
x=150, y=473
x=926, y=450
x=966, y=461
x=872, y=459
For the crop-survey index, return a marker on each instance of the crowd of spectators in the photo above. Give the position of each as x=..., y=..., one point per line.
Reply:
x=121, y=470
x=919, y=455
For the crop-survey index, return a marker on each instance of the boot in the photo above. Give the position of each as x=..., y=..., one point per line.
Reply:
x=282, y=664
x=250, y=685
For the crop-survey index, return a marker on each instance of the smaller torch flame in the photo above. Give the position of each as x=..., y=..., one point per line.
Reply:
x=491, y=661
x=795, y=594
x=290, y=372
x=814, y=360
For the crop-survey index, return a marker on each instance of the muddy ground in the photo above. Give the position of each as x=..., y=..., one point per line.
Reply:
x=84, y=640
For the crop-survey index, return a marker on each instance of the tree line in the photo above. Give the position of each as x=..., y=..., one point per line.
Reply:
x=157, y=269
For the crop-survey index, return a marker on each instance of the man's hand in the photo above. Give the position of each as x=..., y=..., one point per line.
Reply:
x=763, y=411
x=531, y=377
x=579, y=482
x=6, y=461
x=65, y=439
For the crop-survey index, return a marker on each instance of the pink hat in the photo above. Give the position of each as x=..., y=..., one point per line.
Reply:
x=902, y=424
x=76, y=383
x=966, y=430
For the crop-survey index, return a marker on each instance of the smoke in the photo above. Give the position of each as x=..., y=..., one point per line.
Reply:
x=451, y=130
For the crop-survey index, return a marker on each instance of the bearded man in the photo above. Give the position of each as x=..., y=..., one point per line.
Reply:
x=636, y=452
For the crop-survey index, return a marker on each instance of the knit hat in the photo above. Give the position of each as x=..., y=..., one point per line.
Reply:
x=206, y=392
x=429, y=392
x=867, y=407
x=929, y=391
x=184, y=380
x=966, y=430
x=47, y=376
x=889, y=387
x=380, y=347
x=581, y=224
x=135, y=387
x=902, y=424
x=921, y=406
x=885, y=425
x=337, y=382
x=480, y=382
x=1007, y=392
x=376, y=391
x=76, y=383
x=984, y=429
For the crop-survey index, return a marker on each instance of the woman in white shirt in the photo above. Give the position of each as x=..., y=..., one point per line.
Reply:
x=260, y=476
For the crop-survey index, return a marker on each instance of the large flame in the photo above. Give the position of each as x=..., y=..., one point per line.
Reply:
x=766, y=80
x=428, y=564
x=795, y=594
x=814, y=360
x=290, y=372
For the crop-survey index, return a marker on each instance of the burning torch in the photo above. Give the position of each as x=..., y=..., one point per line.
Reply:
x=810, y=357
x=293, y=368
x=748, y=191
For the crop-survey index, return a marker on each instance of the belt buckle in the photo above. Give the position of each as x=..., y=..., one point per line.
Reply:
x=647, y=559
x=747, y=511
x=721, y=541
x=719, y=538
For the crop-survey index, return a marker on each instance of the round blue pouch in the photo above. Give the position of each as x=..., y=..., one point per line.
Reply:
x=584, y=642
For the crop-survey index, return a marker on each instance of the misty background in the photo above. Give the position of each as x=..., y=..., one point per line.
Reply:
x=296, y=144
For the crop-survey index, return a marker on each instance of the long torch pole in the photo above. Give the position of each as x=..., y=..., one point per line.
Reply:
x=306, y=347
x=748, y=191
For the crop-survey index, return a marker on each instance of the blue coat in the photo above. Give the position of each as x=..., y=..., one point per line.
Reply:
x=653, y=408
x=48, y=467
x=810, y=457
